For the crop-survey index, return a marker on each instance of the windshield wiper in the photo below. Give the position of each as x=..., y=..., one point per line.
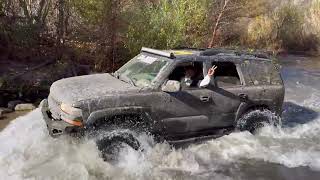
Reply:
x=127, y=79
x=131, y=81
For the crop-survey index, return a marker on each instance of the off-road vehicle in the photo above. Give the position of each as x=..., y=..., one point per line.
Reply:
x=146, y=94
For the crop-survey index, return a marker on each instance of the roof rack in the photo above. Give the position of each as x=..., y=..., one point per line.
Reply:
x=216, y=51
x=188, y=48
x=158, y=52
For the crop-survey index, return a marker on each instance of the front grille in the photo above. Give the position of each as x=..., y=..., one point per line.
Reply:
x=54, y=107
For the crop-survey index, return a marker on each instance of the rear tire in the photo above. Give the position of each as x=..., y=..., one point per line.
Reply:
x=256, y=119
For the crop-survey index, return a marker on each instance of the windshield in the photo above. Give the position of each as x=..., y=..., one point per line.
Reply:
x=142, y=70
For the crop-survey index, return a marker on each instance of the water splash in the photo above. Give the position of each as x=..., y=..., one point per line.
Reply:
x=253, y=120
x=27, y=151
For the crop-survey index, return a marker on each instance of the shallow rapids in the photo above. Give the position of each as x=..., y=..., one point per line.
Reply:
x=289, y=152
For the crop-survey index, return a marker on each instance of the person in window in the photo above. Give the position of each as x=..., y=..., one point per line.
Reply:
x=192, y=78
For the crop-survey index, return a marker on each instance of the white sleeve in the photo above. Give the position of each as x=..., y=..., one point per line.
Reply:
x=205, y=82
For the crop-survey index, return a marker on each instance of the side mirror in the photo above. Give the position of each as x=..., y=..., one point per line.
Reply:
x=171, y=86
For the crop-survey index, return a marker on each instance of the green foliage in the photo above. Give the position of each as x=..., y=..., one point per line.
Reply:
x=168, y=24
x=2, y=6
x=90, y=10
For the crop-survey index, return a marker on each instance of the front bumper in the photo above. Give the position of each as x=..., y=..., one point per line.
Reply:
x=56, y=127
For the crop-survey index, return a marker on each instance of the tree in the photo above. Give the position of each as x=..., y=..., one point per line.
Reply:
x=112, y=23
x=224, y=13
x=218, y=22
x=35, y=11
x=60, y=28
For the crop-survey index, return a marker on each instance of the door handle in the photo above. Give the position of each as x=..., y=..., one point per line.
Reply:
x=243, y=97
x=204, y=98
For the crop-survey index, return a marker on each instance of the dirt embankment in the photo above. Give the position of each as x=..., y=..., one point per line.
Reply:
x=8, y=117
x=29, y=81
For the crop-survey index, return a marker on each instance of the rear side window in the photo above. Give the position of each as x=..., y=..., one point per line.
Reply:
x=260, y=73
x=226, y=74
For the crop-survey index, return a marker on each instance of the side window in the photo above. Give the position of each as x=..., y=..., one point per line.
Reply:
x=226, y=74
x=189, y=74
x=260, y=73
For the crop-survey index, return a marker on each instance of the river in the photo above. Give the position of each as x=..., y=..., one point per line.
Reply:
x=290, y=152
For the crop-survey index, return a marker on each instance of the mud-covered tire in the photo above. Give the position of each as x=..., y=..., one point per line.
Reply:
x=111, y=143
x=255, y=119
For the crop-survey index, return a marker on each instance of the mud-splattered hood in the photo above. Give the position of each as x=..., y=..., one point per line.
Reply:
x=75, y=89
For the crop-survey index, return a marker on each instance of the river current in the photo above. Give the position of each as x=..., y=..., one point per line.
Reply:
x=288, y=152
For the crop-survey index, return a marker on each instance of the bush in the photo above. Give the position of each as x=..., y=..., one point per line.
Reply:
x=284, y=29
x=289, y=21
x=314, y=17
x=261, y=33
x=169, y=24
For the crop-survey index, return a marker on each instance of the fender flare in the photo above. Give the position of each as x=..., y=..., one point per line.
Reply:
x=241, y=109
x=245, y=106
x=97, y=115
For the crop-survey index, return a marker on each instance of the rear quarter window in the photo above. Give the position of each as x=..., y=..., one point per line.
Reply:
x=257, y=72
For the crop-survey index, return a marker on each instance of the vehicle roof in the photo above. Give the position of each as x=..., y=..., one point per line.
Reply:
x=215, y=54
x=219, y=55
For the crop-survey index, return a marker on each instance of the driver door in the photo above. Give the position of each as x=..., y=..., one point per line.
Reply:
x=188, y=110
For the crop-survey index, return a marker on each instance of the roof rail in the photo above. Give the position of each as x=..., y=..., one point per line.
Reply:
x=216, y=51
x=158, y=52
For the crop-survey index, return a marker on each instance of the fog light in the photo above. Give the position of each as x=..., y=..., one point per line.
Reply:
x=56, y=131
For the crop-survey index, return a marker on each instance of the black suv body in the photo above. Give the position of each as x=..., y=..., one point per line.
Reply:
x=147, y=93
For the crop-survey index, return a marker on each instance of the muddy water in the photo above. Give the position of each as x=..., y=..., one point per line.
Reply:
x=7, y=118
x=289, y=152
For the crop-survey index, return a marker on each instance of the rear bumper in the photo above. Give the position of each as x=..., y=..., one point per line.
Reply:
x=56, y=127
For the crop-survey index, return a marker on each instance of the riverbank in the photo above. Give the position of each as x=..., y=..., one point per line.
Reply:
x=8, y=117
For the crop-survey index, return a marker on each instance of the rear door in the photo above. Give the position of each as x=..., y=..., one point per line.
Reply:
x=227, y=88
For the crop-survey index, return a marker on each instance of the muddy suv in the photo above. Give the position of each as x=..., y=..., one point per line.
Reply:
x=147, y=94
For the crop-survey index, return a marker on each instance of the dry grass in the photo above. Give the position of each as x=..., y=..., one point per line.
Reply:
x=288, y=28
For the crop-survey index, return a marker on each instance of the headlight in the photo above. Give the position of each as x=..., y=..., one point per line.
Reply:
x=73, y=114
x=71, y=110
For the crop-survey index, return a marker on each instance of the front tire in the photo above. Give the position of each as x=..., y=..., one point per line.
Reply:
x=111, y=143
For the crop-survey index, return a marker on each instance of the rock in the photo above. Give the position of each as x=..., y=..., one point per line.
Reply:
x=12, y=104
x=2, y=103
x=24, y=107
x=2, y=81
x=5, y=110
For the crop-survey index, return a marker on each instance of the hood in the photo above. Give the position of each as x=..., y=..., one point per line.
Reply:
x=74, y=89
